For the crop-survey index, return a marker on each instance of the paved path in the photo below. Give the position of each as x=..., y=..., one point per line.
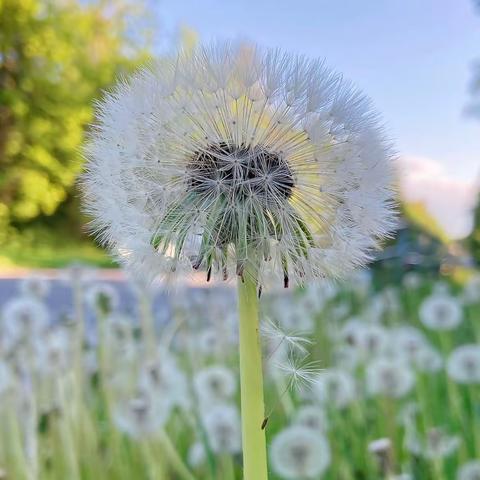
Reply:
x=60, y=299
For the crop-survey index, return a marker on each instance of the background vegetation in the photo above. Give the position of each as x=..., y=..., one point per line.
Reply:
x=56, y=57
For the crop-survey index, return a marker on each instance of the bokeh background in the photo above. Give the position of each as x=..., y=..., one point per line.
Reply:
x=103, y=378
x=417, y=60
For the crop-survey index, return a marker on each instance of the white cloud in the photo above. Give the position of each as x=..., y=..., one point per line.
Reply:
x=448, y=200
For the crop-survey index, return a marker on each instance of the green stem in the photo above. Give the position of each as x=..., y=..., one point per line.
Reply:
x=174, y=458
x=251, y=381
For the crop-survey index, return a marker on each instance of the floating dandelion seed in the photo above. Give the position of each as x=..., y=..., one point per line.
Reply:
x=300, y=373
x=231, y=156
x=278, y=336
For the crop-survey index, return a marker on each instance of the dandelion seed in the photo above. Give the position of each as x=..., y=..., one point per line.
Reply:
x=300, y=373
x=293, y=339
x=299, y=452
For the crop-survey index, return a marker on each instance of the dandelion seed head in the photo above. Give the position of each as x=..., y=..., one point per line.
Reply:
x=222, y=424
x=380, y=446
x=163, y=378
x=386, y=376
x=102, y=296
x=35, y=286
x=23, y=317
x=231, y=155
x=428, y=359
x=440, y=311
x=334, y=387
x=141, y=415
x=312, y=416
x=463, y=364
x=299, y=452
x=53, y=351
x=469, y=471
x=368, y=339
x=215, y=383
x=407, y=342
x=439, y=444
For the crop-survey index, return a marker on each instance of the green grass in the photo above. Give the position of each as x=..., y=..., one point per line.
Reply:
x=42, y=249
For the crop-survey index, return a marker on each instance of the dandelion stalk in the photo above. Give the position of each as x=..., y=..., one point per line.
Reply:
x=251, y=380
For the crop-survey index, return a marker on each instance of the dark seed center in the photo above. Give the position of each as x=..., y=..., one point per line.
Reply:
x=240, y=172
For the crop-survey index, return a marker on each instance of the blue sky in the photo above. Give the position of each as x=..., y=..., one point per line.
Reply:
x=413, y=57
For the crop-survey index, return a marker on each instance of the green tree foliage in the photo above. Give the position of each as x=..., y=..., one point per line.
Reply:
x=55, y=58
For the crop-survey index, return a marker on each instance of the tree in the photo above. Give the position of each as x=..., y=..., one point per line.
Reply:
x=55, y=57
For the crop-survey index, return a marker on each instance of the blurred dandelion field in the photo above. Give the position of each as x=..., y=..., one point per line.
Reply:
x=118, y=382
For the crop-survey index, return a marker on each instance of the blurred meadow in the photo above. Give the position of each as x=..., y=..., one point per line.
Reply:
x=373, y=377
